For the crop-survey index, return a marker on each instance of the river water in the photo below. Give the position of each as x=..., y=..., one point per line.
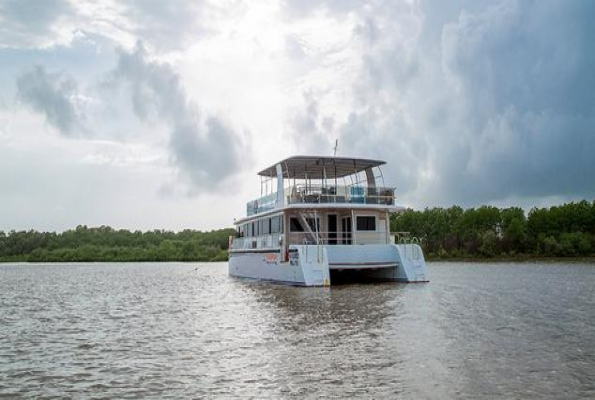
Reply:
x=180, y=330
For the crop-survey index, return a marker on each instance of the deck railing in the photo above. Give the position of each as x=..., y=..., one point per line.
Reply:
x=257, y=242
x=319, y=194
x=338, y=238
x=275, y=240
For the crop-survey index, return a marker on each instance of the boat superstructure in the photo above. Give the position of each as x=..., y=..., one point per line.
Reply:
x=319, y=218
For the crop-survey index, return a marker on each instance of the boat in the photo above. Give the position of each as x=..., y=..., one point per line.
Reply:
x=319, y=219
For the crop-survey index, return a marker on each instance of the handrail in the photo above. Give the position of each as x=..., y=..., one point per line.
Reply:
x=338, y=238
x=321, y=194
x=312, y=194
x=270, y=241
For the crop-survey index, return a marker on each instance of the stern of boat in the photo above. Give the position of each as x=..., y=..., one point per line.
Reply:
x=382, y=262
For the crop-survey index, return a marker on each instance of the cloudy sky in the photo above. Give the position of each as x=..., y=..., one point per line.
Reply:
x=147, y=114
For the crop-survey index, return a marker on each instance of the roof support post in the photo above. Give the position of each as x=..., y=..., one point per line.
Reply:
x=371, y=180
x=280, y=191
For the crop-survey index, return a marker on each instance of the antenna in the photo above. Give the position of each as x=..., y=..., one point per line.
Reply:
x=336, y=147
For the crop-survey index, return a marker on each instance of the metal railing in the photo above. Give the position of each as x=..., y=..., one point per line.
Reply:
x=405, y=238
x=321, y=239
x=275, y=240
x=271, y=241
x=319, y=194
x=338, y=238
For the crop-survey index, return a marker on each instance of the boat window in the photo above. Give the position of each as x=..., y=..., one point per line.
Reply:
x=276, y=224
x=366, y=223
x=265, y=226
x=295, y=225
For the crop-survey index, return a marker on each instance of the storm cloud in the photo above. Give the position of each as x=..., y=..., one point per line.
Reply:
x=28, y=23
x=204, y=148
x=522, y=76
x=54, y=96
x=496, y=103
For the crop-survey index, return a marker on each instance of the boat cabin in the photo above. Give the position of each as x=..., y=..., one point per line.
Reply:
x=318, y=200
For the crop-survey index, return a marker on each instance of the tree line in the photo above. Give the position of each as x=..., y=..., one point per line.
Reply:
x=562, y=231
x=107, y=244
x=567, y=230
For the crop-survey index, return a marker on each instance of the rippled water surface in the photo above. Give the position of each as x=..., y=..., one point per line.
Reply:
x=188, y=330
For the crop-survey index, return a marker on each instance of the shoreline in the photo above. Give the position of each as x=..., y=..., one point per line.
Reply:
x=520, y=258
x=494, y=260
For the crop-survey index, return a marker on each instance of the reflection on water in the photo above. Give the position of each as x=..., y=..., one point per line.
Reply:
x=175, y=330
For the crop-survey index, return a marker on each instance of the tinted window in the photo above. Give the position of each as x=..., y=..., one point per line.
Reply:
x=294, y=225
x=366, y=223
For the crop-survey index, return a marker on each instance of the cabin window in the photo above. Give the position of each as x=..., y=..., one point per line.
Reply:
x=265, y=226
x=365, y=223
x=276, y=223
x=281, y=223
x=295, y=225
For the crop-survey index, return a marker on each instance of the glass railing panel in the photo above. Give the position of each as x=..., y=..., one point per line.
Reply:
x=338, y=238
x=265, y=203
x=316, y=194
x=271, y=241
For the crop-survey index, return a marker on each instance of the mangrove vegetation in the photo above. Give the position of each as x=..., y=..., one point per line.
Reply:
x=107, y=244
x=444, y=233
x=487, y=232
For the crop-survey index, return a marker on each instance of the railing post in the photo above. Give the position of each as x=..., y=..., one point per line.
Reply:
x=353, y=222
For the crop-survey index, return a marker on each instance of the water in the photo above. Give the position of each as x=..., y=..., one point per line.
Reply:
x=188, y=330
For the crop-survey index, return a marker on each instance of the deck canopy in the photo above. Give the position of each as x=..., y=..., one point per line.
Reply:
x=314, y=167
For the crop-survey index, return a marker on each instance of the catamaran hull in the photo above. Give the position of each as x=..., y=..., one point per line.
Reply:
x=311, y=265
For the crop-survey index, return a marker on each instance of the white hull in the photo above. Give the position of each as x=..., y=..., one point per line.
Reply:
x=311, y=265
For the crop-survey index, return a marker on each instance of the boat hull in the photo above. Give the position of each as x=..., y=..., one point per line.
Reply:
x=310, y=265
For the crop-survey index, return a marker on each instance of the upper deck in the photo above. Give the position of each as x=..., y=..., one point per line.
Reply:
x=322, y=180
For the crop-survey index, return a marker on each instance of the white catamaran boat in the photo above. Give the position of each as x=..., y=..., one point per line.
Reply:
x=320, y=219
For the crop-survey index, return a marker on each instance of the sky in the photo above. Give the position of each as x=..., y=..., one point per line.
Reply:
x=149, y=114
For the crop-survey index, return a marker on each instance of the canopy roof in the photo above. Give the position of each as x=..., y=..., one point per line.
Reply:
x=320, y=167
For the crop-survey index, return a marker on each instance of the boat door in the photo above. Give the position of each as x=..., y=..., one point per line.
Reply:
x=346, y=230
x=332, y=228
